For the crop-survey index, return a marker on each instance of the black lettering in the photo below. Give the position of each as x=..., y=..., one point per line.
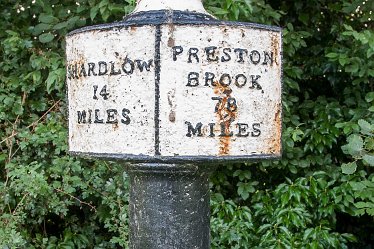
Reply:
x=256, y=130
x=125, y=114
x=112, y=69
x=111, y=116
x=210, y=52
x=81, y=117
x=255, y=84
x=95, y=91
x=211, y=130
x=242, y=130
x=219, y=103
x=240, y=54
x=104, y=93
x=91, y=68
x=89, y=116
x=240, y=80
x=103, y=68
x=73, y=71
x=193, y=79
x=142, y=64
x=209, y=77
x=193, y=52
x=227, y=56
x=255, y=57
x=231, y=105
x=128, y=66
x=82, y=71
x=97, y=118
x=69, y=72
x=225, y=126
x=177, y=50
x=225, y=80
x=268, y=57
x=192, y=131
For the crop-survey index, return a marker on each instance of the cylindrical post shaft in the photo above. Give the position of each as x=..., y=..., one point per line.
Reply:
x=169, y=206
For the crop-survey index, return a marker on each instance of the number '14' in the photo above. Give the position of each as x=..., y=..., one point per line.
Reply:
x=103, y=93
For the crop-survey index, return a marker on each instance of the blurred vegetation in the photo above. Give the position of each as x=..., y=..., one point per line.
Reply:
x=320, y=195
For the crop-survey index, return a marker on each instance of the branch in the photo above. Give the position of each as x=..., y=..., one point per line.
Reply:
x=75, y=198
x=33, y=123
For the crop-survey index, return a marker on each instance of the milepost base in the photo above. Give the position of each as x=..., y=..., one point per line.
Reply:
x=169, y=206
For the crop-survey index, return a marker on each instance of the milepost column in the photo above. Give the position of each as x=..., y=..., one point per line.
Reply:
x=172, y=91
x=169, y=206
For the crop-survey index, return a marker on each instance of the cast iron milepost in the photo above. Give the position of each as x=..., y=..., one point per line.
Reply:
x=173, y=90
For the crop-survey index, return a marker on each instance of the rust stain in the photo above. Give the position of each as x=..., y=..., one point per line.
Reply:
x=172, y=114
x=275, y=47
x=171, y=40
x=274, y=143
x=225, y=115
x=133, y=28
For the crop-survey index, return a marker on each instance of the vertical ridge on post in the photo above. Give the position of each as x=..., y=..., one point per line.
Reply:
x=157, y=60
x=169, y=206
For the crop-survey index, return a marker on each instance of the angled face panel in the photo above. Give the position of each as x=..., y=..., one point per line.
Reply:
x=111, y=91
x=220, y=91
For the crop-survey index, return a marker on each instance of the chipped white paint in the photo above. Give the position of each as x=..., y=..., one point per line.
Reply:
x=216, y=91
x=183, y=5
x=252, y=100
x=108, y=132
x=238, y=118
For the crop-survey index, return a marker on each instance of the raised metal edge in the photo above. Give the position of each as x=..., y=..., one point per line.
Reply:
x=174, y=159
x=159, y=17
x=169, y=168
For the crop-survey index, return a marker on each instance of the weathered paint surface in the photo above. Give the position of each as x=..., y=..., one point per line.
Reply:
x=203, y=91
x=123, y=120
x=227, y=79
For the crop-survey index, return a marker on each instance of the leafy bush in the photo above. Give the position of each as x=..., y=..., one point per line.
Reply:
x=320, y=195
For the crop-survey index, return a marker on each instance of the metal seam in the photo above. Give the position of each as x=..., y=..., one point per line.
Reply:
x=157, y=59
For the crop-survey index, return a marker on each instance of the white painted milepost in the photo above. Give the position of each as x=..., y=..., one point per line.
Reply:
x=166, y=89
x=172, y=90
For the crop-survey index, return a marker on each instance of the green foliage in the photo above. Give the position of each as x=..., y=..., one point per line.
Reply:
x=51, y=200
x=326, y=173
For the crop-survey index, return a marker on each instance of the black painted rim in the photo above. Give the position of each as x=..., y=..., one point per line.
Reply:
x=177, y=17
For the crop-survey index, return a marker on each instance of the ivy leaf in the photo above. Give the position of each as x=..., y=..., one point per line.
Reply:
x=369, y=159
x=3, y=157
x=45, y=18
x=369, y=97
x=366, y=127
x=45, y=38
x=93, y=12
x=40, y=28
x=60, y=25
x=349, y=168
x=354, y=146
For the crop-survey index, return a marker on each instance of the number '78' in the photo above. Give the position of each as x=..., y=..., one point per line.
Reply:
x=231, y=105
